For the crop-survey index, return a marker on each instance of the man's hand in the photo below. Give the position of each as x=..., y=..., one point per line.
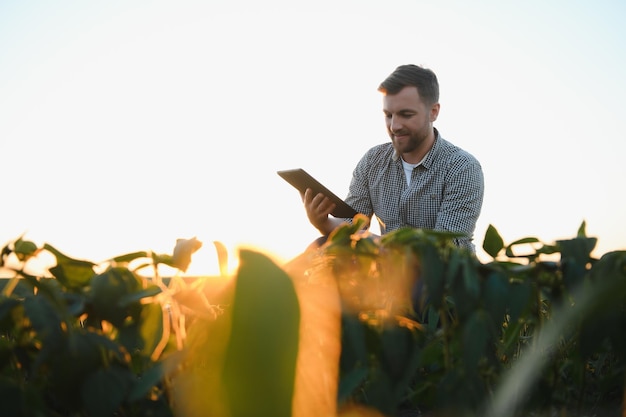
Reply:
x=318, y=208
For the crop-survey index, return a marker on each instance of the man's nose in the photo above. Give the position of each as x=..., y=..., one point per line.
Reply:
x=394, y=124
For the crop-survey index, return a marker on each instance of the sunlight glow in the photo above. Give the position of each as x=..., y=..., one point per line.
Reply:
x=125, y=127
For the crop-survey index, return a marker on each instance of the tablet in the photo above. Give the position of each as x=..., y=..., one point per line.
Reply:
x=301, y=180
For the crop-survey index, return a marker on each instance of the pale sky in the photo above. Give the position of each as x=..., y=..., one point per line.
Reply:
x=125, y=125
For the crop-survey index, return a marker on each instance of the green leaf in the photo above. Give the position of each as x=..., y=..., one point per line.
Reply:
x=495, y=296
x=103, y=391
x=72, y=273
x=354, y=349
x=128, y=299
x=402, y=236
x=493, y=242
x=7, y=305
x=264, y=338
x=24, y=249
x=432, y=318
x=582, y=230
x=578, y=249
x=163, y=258
x=511, y=337
x=379, y=393
x=46, y=321
x=527, y=240
x=400, y=354
x=83, y=353
x=575, y=255
x=129, y=257
x=48, y=288
x=145, y=334
x=351, y=382
x=476, y=337
x=465, y=289
x=75, y=303
x=366, y=246
x=105, y=344
x=108, y=288
x=548, y=249
x=471, y=280
x=11, y=398
x=453, y=267
x=520, y=299
x=148, y=380
x=341, y=236
x=433, y=274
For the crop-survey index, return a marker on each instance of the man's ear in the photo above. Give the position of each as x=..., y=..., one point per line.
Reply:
x=434, y=112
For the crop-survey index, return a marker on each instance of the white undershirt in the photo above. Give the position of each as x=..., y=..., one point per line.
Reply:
x=408, y=168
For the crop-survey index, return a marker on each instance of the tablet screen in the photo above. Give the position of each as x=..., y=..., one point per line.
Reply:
x=301, y=180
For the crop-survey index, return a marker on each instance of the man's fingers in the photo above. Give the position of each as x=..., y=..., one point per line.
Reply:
x=325, y=206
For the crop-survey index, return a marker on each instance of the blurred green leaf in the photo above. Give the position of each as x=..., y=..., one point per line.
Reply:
x=24, y=249
x=7, y=305
x=350, y=382
x=104, y=390
x=145, y=334
x=471, y=280
x=379, y=393
x=11, y=397
x=476, y=339
x=341, y=236
x=127, y=299
x=432, y=270
x=466, y=288
x=493, y=243
x=165, y=259
x=575, y=257
x=402, y=236
x=71, y=273
x=353, y=343
x=496, y=295
x=74, y=303
x=520, y=299
x=510, y=338
x=582, y=230
x=129, y=257
x=366, y=246
x=264, y=338
x=400, y=355
x=85, y=350
x=509, y=249
x=108, y=288
x=579, y=248
x=146, y=382
x=46, y=322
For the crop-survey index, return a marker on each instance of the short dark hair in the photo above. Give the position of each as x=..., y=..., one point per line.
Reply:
x=412, y=75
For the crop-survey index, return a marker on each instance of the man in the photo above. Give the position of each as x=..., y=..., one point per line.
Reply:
x=419, y=179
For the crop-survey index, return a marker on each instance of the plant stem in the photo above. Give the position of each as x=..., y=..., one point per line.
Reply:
x=445, y=324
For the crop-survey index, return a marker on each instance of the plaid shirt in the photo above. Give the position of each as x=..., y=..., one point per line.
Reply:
x=446, y=191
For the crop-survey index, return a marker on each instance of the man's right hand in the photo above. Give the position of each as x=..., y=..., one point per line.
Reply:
x=318, y=208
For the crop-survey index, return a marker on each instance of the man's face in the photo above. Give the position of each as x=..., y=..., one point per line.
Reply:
x=409, y=122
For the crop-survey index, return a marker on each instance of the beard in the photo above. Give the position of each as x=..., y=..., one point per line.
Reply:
x=410, y=143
